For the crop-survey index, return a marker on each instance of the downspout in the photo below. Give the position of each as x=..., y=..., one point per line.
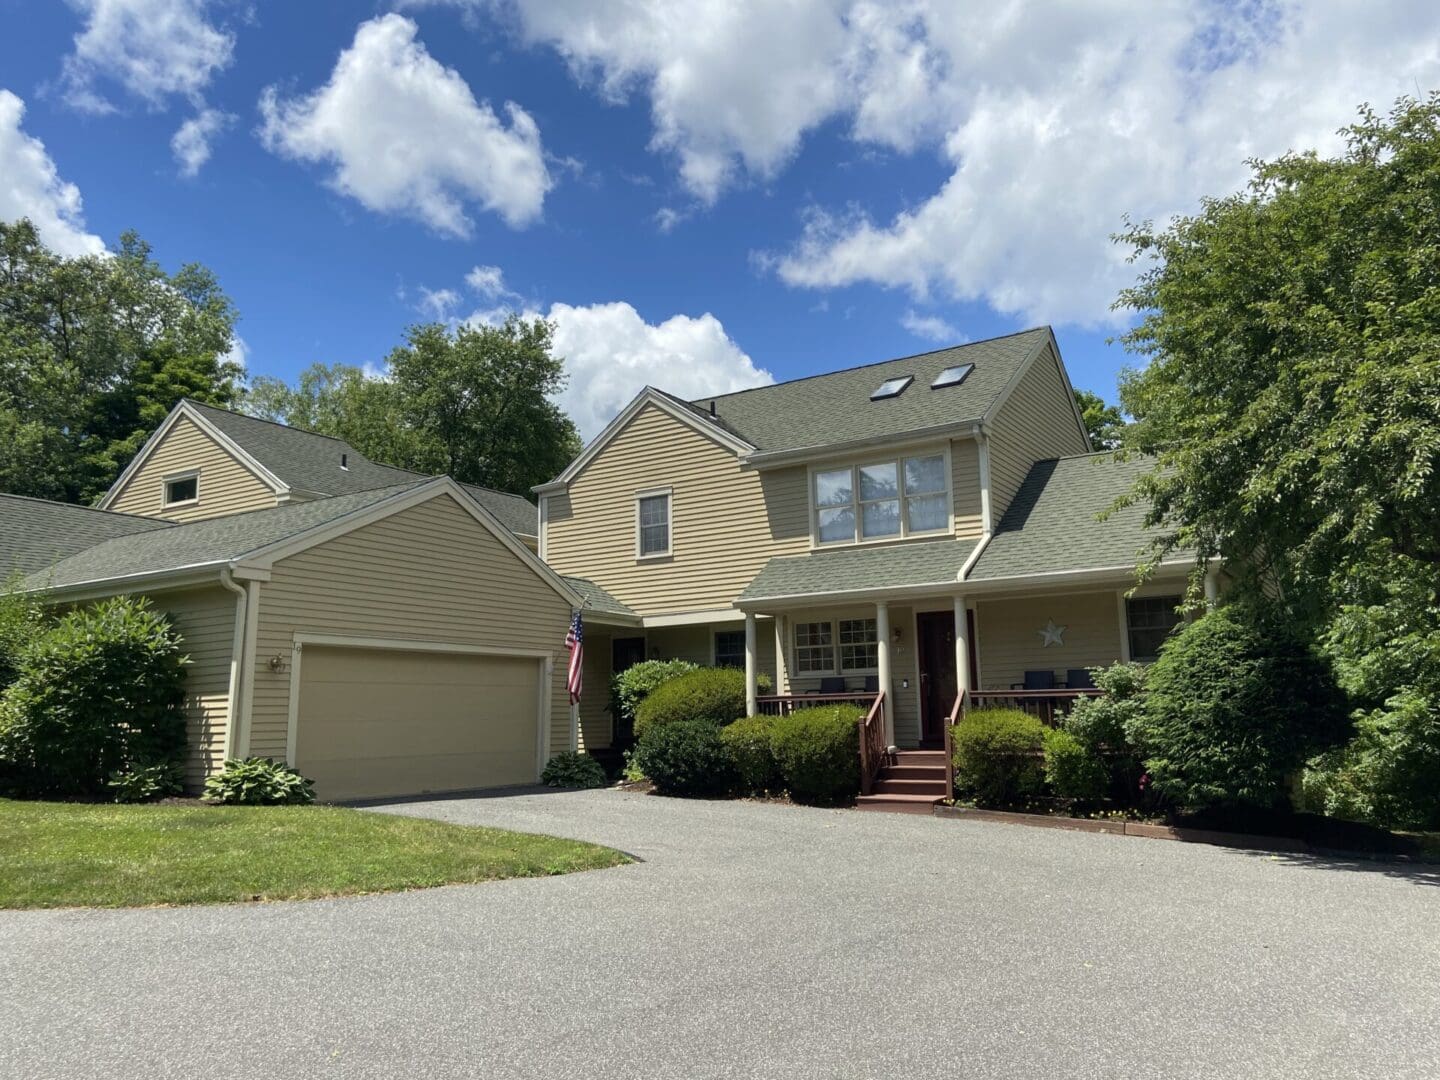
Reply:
x=237, y=661
x=987, y=523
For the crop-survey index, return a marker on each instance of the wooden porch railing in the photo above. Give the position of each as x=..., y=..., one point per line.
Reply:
x=785, y=704
x=874, y=747
x=957, y=711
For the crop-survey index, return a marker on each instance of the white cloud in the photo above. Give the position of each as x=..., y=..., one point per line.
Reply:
x=30, y=187
x=930, y=327
x=1054, y=119
x=405, y=135
x=611, y=354
x=191, y=142
x=489, y=282
x=238, y=353
x=154, y=49
x=438, y=303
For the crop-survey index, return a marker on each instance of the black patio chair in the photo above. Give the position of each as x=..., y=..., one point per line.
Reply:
x=1078, y=679
x=1036, y=680
x=832, y=684
x=872, y=684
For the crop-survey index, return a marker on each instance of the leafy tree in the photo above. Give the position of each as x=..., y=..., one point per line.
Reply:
x=94, y=351
x=473, y=402
x=1105, y=423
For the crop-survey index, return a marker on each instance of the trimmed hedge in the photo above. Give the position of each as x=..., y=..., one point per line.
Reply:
x=998, y=755
x=1232, y=707
x=1073, y=770
x=686, y=757
x=637, y=682
x=818, y=753
x=572, y=769
x=98, y=694
x=749, y=744
x=714, y=695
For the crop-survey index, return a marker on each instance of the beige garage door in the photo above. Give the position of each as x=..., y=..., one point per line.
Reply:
x=376, y=722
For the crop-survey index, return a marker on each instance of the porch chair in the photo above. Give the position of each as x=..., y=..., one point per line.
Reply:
x=872, y=684
x=1078, y=679
x=1036, y=680
x=832, y=684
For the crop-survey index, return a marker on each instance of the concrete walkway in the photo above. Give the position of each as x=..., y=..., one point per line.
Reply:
x=759, y=941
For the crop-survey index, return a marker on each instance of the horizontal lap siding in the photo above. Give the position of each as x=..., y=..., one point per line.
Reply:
x=727, y=521
x=205, y=619
x=965, y=487
x=1037, y=422
x=1008, y=633
x=596, y=726
x=226, y=486
x=427, y=573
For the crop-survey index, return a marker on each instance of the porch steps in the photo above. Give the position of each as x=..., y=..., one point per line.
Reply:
x=913, y=784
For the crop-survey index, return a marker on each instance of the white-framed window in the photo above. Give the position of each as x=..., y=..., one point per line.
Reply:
x=831, y=647
x=900, y=497
x=1149, y=620
x=730, y=648
x=182, y=489
x=814, y=647
x=652, y=523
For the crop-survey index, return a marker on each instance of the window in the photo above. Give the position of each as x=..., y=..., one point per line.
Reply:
x=730, y=648
x=858, y=648
x=814, y=647
x=1149, y=620
x=652, y=524
x=952, y=376
x=182, y=489
x=887, y=499
x=892, y=387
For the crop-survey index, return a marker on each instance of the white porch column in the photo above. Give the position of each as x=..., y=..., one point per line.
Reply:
x=1212, y=587
x=752, y=672
x=1122, y=618
x=962, y=647
x=882, y=649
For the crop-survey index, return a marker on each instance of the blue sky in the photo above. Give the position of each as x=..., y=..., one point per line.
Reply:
x=832, y=182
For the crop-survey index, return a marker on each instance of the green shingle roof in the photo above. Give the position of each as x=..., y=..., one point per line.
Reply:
x=201, y=543
x=1051, y=525
x=311, y=462
x=897, y=566
x=35, y=533
x=597, y=599
x=835, y=408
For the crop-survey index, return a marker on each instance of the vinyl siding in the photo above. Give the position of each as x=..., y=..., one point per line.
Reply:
x=965, y=488
x=226, y=486
x=726, y=522
x=597, y=727
x=1036, y=422
x=205, y=619
x=696, y=643
x=1008, y=633
x=426, y=573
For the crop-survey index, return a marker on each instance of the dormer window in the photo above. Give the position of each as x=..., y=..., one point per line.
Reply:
x=182, y=489
x=882, y=500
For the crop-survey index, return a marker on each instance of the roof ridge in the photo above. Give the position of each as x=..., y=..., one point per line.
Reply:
x=91, y=509
x=286, y=427
x=872, y=363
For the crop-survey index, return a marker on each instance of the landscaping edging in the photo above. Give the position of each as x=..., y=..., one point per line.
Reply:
x=1130, y=828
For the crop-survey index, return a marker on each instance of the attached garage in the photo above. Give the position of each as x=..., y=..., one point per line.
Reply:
x=378, y=721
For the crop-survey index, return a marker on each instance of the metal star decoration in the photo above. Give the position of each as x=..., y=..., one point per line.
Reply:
x=1052, y=634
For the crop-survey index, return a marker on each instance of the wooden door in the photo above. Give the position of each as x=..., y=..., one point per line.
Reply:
x=935, y=648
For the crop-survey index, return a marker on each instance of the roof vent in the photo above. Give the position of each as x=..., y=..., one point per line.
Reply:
x=952, y=376
x=712, y=410
x=345, y=462
x=892, y=387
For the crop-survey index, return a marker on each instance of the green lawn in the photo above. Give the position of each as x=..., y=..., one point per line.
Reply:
x=69, y=854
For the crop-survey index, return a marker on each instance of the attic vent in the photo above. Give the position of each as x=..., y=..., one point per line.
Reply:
x=345, y=462
x=712, y=410
x=952, y=376
x=892, y=387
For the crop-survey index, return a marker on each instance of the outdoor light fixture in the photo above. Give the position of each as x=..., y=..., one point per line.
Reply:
x=277, y=663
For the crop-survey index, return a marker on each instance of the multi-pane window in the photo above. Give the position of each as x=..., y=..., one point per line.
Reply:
x=858, y=648
x=889, y=498
x=814, y=646
x=652, y=514
x=730, y=648
x=1149, y=621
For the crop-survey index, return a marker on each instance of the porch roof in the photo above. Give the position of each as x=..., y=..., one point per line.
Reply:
x=597, y=600
x=1052, y=525
x=854, y=569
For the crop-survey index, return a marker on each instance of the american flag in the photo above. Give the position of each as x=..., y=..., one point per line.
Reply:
x=575, y=642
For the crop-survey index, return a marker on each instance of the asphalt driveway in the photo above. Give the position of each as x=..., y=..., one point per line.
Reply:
x=759, y=941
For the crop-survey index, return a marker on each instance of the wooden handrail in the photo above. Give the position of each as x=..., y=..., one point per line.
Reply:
x=874, y=750
x=957, y=713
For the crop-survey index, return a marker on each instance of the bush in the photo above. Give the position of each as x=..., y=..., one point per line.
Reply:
x=146, y=783
x=633, y=685
x=752, y=755
x=686, y=757
x=998, y=755
x=259, y=782
x=1233, y=706
x=22, y=622
x=716, y=695
x=1100, y=723
x=97, y=693
x=1073, y=770
x=573, y=770
x=818, y=753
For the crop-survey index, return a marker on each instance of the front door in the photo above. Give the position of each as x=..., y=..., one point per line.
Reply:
x=625, y=653
x=938, y=685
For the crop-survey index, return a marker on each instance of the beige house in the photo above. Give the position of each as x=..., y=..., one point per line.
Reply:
x=921, y=526
x=384, y=632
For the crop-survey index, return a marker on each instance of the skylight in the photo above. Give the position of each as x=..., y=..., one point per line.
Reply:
x=952, y=376
x=892, y=387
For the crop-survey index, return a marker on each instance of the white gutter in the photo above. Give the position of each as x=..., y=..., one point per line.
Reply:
x=987, y=520
x=237, y=648
x=765, y=459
